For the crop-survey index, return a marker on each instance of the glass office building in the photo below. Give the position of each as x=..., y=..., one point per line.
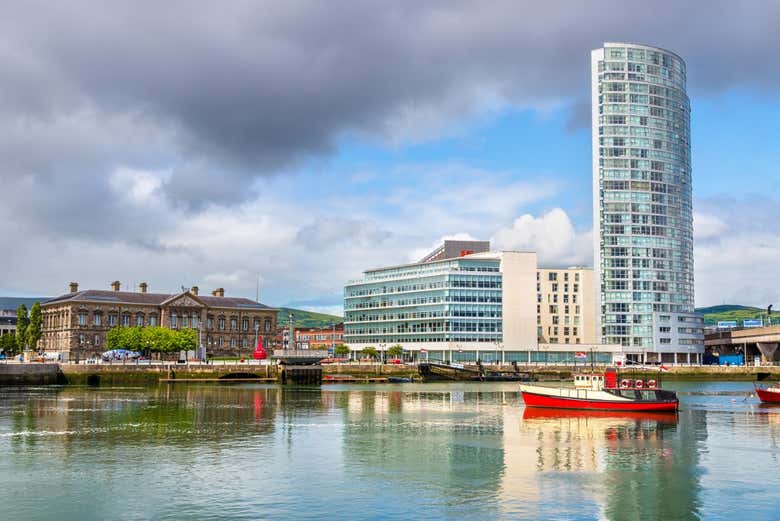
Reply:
x=642, y=193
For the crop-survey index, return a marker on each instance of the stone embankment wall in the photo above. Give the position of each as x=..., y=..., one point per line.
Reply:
x=30, y=374
x=131, y=374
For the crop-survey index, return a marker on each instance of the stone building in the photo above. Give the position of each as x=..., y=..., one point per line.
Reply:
x=76, y=323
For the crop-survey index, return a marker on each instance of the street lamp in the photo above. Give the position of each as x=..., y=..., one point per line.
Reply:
x=333, y=339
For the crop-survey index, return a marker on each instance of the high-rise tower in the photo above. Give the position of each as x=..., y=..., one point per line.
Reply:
x=642, y=210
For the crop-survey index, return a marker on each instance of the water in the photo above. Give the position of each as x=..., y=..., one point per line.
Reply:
x=437, y=451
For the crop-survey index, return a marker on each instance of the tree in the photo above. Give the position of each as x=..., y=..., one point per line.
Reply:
x=341, y=350
x=369, y=352
x=21, y=327
x=8, y=344
x=395, y=351
x=33, y=333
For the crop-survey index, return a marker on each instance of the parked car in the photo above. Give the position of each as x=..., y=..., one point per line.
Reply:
x=396, y=361
x=2, y=356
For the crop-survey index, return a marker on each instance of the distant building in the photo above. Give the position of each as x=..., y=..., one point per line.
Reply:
x=76, y=323
x=484, y=306
x=7, y=322
x=323, y=338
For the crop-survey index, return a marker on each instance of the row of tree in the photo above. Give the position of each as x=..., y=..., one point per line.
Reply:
x=395, y=351
x=29, y=329
x=152, y=339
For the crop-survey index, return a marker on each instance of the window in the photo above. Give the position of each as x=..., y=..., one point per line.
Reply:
x=81, y=340
x=184, y=321
x=97, y=318
x=220, y=341
x=552, y=276
x=139, y=320
x=233, y=324
x=152, y=320
x=126, y=320
x=112, y=319
x=665, y=329
x=245, y=324
x=666, y=340
x=97, y=340
x=268, y=324
x=221, y=323
x=174, y=321
x=232, y=342
x=194, y=321
x=257, y=324
x=210, y=322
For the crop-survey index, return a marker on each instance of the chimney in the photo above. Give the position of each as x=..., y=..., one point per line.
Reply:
x=74, y=287
x=194, y=290
x=219, y=292
x=142, y=287
x=115, y=285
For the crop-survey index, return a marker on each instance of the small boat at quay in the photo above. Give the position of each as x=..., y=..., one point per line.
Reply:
x=602, y=392
x=768, y=394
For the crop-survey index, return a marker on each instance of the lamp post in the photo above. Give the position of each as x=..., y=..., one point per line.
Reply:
x=333, y=339
x=257, y=333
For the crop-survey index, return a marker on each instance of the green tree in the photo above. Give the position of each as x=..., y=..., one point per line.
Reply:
x=114, y=338
x=8, y=344
x=369, y=352
x=395, y=351
x=33, y=333
x=21, y=326
x=341, y=350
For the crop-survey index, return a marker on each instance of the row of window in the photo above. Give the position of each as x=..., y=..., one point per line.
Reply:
x=176, y=321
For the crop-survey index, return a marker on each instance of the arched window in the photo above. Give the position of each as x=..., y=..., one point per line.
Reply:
x=233, y=323
x=267, y=324
x=221, y=323
x=153, y=319
x=97, y=318
x=139, y=320
x=184, y=320
x=126, y=319
x=245, y=324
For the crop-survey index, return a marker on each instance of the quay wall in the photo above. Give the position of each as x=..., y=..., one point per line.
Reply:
x=131, y=374
x=29, y=374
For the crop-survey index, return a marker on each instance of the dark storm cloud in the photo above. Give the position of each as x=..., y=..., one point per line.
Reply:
x=224, y=93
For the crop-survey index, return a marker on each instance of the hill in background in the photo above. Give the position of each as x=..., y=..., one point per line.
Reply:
x=713, y=314
x=305, y=318
x=12, y=303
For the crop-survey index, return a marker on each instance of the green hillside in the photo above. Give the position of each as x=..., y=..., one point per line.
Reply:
x=713, y=314
x=305, y=318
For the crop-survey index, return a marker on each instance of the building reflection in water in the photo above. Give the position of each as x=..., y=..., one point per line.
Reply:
x=603, y=464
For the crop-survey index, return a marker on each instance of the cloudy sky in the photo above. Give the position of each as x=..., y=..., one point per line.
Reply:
x=307, y=141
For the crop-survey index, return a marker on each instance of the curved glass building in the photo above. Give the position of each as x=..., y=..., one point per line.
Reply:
x=642, y=207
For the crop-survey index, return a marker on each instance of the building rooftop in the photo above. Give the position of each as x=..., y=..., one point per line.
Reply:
x=138, y=298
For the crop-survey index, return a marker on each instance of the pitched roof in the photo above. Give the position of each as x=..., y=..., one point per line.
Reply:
x=152, y=299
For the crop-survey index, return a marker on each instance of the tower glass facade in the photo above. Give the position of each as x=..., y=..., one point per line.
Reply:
x=642, y=192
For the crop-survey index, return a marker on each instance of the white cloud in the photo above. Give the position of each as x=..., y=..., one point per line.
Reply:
x=552, y=235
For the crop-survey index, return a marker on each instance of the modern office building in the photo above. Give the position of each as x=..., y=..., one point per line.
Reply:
x=642, y=210
x=475, y=306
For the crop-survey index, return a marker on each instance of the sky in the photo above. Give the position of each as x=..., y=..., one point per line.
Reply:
x=298, y=143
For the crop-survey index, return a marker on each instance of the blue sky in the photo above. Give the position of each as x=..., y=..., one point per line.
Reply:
x=302, y=143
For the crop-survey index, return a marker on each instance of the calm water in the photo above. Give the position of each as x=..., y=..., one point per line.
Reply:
x=449, y=451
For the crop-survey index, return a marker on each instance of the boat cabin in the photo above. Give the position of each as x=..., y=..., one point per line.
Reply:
x=589, y=381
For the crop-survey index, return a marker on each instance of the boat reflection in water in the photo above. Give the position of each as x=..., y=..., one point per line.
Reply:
x=535, y=413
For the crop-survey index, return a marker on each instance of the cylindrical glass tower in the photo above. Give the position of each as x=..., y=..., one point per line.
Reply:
x=643, y=225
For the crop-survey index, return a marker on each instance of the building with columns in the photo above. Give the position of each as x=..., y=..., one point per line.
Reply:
x=76, y=323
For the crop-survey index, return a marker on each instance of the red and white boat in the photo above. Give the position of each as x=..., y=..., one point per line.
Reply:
x=602, y=392
x=768, y=394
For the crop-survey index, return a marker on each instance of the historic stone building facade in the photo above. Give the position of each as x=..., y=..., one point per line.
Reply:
x=76, y=323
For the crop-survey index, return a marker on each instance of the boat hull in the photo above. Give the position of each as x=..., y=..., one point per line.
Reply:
x=768, y=396
x=552, y=401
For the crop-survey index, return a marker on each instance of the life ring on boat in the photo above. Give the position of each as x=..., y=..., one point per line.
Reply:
x=639, y=384
x=651, y=384
x=625, y=384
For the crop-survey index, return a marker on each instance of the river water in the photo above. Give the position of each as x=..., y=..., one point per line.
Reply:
x=410, y=451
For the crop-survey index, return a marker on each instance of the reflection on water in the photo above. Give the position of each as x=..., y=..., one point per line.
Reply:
x=465, y=451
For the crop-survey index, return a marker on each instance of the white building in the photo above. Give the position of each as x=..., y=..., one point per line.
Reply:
x=642, y=202
x=475, y=306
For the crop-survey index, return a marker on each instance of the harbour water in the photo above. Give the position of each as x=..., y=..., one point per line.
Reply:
x=410, y=451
